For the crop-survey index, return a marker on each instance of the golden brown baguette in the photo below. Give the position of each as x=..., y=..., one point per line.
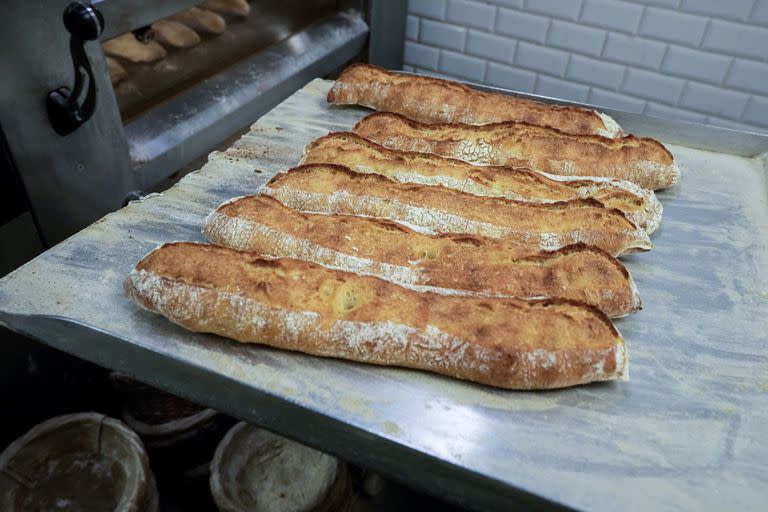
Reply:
x=296, y=305
x=643, y=161
x=326, y=188
x=447, y=264
x=362, y=155
x=434, y=100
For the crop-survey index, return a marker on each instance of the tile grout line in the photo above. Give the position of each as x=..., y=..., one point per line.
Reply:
x=707, y=28
x=701, y=23
x=640, y=22
x=663, y=59
x=727, y=72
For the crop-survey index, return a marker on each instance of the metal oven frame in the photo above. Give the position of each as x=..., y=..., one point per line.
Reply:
x=71, y=181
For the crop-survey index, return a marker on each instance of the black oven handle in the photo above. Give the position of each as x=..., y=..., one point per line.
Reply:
x=65, y=111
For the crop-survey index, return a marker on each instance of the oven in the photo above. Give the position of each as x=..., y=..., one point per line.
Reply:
x=153, y=116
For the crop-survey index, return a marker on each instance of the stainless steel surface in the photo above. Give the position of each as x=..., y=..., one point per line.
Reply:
x=71, y=181
x=687, y=432
x=387, y=41
x=188, y=125
x=121, y=16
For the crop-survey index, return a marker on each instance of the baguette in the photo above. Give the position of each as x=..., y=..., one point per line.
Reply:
x=300, y=306
x=129, y=48
x=238, y=7
x=643, y=161
x=434, y=100
x=202, y=20
x=362, y=155
x=325, y=188
x=447, y=264
x=174, y=33
x=117, y=73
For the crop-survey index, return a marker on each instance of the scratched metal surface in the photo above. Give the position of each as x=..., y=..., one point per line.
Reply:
x=688, y=431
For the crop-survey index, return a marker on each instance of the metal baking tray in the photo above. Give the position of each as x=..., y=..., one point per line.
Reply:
x=688, y=431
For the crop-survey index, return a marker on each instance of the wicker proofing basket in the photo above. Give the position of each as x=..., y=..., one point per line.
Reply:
x=254, y=470
x=83, y=461
x=149, y=405
x=179, y=435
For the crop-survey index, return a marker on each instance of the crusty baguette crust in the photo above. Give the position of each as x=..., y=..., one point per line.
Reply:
x=295, y=305
x=326, y=188
x=434, y=100
x=443, y=263
x=363, y=155
x=643, y=161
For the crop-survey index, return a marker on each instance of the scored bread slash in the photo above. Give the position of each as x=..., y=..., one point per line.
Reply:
x=301, y=306
x=326, y=188
x=446, y=264
x=520, y=184
x=643, y=161
x=435, y=100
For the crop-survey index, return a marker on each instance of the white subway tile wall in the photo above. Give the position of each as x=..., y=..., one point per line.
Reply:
x=698, y=60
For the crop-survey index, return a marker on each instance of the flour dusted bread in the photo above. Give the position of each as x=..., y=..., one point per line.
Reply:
x=327, y=188
x=296, y=305
x=643, y=161
x=434, y=100
x=362, y=155
x=448, y=264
